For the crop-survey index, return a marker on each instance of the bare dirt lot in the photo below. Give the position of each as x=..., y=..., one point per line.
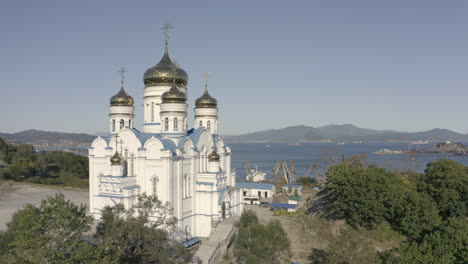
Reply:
x=17, y=195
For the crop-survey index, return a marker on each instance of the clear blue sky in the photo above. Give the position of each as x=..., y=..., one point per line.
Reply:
x=397, y=64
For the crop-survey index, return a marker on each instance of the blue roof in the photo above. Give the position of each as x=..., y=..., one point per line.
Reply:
x=292, y=185
x=283, y=205
x=194, y=134
x=191, y=242
x=255, y=185
x=143, y=137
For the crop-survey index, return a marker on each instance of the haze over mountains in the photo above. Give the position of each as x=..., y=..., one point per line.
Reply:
x=346, y=132
x=39, y=137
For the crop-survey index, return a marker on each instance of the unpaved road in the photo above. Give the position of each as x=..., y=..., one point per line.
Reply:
x=18, y=195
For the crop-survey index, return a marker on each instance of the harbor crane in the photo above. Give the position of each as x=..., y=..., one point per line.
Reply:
x=314, y=170
x=289, y=175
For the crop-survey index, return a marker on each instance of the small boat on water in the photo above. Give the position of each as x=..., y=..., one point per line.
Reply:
x=294, y=144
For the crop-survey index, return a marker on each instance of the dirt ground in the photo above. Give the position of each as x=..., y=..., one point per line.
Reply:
x=304, y=232
x=17, y=195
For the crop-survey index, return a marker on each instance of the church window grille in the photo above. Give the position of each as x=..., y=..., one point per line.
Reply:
x=113, y=125
x=176, y=123
x=152, y=111
x=122, y=123
x=208, y=125
x=166, y=124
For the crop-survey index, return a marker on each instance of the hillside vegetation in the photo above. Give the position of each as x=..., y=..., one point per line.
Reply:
x=23, y=164
x=427, y=210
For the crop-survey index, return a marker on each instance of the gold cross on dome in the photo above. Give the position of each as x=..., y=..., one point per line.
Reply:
x=165, y=28
x=206, y=76
x=122, y=72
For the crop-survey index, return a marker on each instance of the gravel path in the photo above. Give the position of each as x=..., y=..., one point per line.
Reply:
x=18, y=195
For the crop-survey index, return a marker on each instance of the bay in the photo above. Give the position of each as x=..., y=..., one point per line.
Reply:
x=265, y=155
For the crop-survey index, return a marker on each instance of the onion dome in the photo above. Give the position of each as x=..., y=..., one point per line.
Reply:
x=165, y=72
x=174, y=95
x=213, y=156
x=121, y=99
x=206, y=101
x=116, y=159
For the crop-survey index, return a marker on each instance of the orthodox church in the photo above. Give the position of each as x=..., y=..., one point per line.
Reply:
x=189, y=168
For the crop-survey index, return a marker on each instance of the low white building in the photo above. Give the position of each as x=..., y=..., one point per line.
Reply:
x=252, y=192
x=189, y=168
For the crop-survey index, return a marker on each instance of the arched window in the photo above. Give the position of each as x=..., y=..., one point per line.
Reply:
x=208, y=125
x=113, y=125
x=129, y=123
x=122, y=123
x=152, y=111
x=201, y=123
x=176, y=123
x=155, y=185
x=166, y=124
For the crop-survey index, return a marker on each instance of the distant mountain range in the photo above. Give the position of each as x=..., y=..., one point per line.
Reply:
x=46, y=138
x=346, y=132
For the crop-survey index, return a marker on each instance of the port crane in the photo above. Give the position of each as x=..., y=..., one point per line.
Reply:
x=289, y=175
x=314, y=170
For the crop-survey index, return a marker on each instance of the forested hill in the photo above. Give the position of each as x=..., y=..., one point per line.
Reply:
x=346, y=132
x=38, y=137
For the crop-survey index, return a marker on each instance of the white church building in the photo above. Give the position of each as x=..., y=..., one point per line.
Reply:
x=189, y=168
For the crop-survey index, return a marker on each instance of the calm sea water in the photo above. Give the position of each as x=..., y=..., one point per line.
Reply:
x=265, y=155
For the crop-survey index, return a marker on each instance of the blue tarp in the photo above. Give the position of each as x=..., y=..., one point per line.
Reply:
x=283, y=205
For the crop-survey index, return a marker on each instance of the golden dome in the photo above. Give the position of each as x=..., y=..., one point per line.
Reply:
x=121, y=99
x=213, y=156
x=206, y=101
x=165, y=72
x=174, y=95
x=116, y=159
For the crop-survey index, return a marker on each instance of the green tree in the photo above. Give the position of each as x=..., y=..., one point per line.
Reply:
x=361, y=195
x=4, y=149
x=50, y=233
x=414, y=214
x=445, y=245
x=446, y=181
x=21, y=169
x=134, y=236
x=258, y=243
